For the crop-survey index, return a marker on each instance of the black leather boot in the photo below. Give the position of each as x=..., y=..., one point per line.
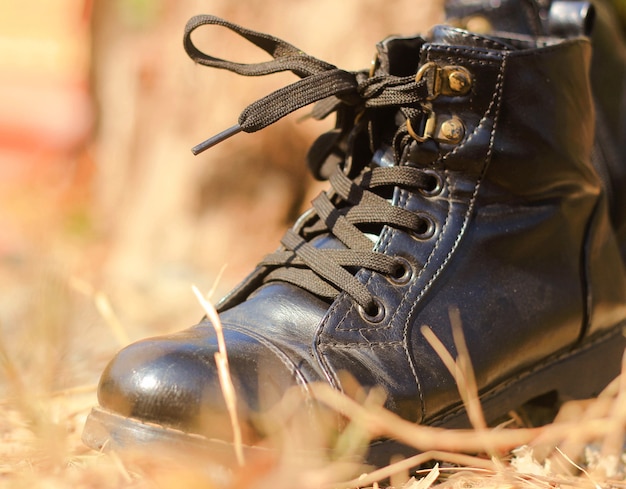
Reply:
x=461, y=180
x=569, y=18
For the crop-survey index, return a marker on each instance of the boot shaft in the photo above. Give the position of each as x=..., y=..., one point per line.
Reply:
x=529, y=106
x=569, y=18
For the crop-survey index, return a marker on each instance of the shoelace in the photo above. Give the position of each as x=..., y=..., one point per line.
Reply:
x=352, y=206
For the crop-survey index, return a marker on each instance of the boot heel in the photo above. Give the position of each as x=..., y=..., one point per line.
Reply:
x=539, y=392
x=586, y=372
x=571, y=375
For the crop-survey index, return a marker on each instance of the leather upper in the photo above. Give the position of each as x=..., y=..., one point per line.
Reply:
x=520, y=245
x=607, y=74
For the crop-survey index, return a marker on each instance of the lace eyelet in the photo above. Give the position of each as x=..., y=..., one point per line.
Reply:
x=436, y=187
x=404, y=272
x=426, y=230
x=374, y=313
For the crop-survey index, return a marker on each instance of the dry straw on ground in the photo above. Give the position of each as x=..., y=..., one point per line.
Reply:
x=41, y=447
x=105, y=234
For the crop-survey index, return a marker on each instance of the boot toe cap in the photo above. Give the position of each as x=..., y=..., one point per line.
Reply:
x=174, y=382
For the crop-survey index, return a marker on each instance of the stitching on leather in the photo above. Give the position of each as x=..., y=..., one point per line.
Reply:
x=487, y=156
x=384, y=241
x=274, y=349
x=323, y=346
x=486, y=57
x=405, y=334
x=406, y=197
x=437, y=243
x=385, y=236
x=449, y=199
x=370, y=345
x=490, y=42
x=318, y=346
x=498, y=97
x=340, y=300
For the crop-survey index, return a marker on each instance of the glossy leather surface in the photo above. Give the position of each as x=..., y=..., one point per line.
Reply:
x=607, y=74
x=522, y=248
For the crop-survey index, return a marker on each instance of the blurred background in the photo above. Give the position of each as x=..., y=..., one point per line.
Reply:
x=106, y=218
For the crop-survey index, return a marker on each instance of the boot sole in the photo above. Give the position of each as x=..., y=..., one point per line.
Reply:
x=105, y=430
x=571, y=375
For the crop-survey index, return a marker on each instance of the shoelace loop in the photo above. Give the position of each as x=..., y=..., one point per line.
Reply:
x=353, y=206
x=319, y=81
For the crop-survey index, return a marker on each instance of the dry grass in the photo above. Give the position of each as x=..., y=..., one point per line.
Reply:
x=101, y=243
x=43, y=409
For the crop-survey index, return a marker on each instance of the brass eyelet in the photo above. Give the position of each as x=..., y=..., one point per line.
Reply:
x=437, y=186
x=426, y=230
x=404, y=272
x=374, y=313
